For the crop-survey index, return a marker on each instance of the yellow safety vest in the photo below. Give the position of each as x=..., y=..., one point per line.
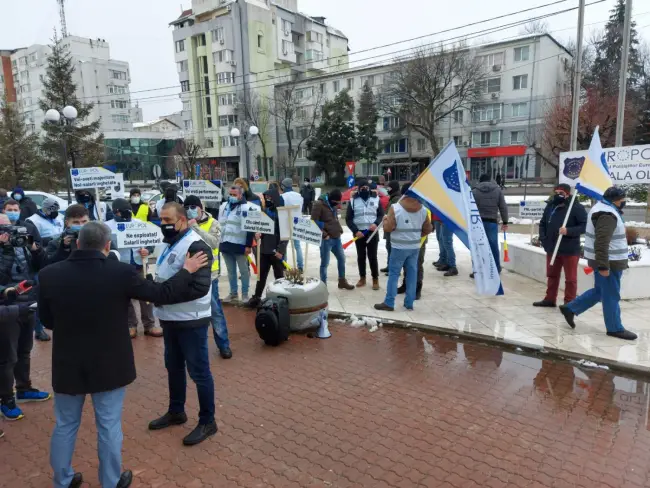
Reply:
x=215, y=252
x=143, y=212
x=425, y=237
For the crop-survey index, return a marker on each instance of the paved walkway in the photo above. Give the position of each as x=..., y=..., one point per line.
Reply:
x=452, y=304
x=395, y=408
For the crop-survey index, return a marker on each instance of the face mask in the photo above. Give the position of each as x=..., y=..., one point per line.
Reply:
x=13, y=216
x=232, y=199
x=53, y=215
x=84, y=198
x=75, y=228
x=364, y=194
x=622, y=205
x=18, y=197
x=135, y=200
x=169, y=231
x=559, y=199
x=192, y=214
x=269, y=204
x=125, y=216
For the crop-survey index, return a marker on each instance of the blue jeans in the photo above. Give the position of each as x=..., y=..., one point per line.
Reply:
x=447, y=237
x=492, y=232
x=234, y=261
x=300, y=260
x=219, y=325
x=108, y=419
x=334, y=246
x=189, y=347
x=442, y=258
x=407, y=259
x=606, y=290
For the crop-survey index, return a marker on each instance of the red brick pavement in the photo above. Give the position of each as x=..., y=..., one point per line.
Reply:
x=361, y=409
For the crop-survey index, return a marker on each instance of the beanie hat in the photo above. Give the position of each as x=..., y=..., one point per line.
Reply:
x=361, y=182
x=393, y=186
x=484, y=177
x=614, y=194
x=134, y=191
x=192, y=201
x=50, y=205
x=335, y=195
x=121, y=205
x=405, y=188
x=287, y=184
x=564, y=187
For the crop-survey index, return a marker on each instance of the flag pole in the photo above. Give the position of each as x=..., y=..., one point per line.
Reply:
x=566, y=219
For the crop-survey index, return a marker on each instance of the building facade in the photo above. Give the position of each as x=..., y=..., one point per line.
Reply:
x=229, y=56
x=99, y=79
x=496, y=136
x=7, y=88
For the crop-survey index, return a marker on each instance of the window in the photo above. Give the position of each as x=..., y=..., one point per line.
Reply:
x=301, y=113
x=368, y=80
x=520, y=109
x=185, y=86
x=24, y=76
x=200, y=40
x=458, y=116
x=187, y=105
x=226, y=120
x=337, y=86
x=286, y=27
x=302, y=153
x=181, y=66
x=313, y=55
x=227, y=99
x=209, y=143
x=260, y=40
x=495, y=59
x=302, y=133
x=350, y=83
x=287, y=47
x=440, y=141
x=323, y=88
x=117, y=75
x=304, y=93
x=23, y=61
x=225, y=78
x=398, y=146
x=391, y=123
x=228, y=141
x=119, y=104
x=521, y=53
x=32, y=58
x=517, y=137
x=487, y=112
x=120, y=119
x=421, y=145
x=188, y=124
x=313, y=36
x=180, y=46
x=118, y=90
x=218, y=35
x=223, y=56
x=519, y=82
x=458, y=140
x=491, y=85
x=490, y=138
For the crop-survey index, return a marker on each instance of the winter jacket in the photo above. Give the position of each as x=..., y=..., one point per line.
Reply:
x=56, y=251
x=271, y=243
x=27, y=205
x=20, y=264
x=212, y=237
x=94, y=208
x=605, y=224
x=552, y=220
x=308, y=193
x=490, y=201
x=326, y=217
x=410, y=205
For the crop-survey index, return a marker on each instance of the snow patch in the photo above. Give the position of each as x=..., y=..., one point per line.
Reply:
x=591, y=364
x=371, y=323
x=428, y=348
x=280, y=286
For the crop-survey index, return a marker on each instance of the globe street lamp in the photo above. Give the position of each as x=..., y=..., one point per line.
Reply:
x=252, y=131
x=64, y=118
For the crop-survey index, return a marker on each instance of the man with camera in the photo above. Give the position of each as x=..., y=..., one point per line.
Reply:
x=76, y=216
x=20, y=259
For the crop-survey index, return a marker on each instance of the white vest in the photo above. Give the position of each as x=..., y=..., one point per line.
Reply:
x=128, y=255
x=408, y=231
x=171, y=261
x=99, y=209
x=293, y=198
x=618, y=250
x=230, y=222
x=365, y=213
x=47, y=228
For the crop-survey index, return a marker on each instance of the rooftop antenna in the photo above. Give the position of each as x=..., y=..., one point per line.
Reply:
x=64, y=29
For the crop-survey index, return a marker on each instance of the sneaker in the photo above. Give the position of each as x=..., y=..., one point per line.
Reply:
x=125, y=480
x=233, y=297
x=384, y=270
x=153, y=332
x=168, y=420
x=623, y=334
x=451, y=272
x=442, y=267
x=568, y=316
x=200, y=433
x=10, y=411
x=383, y=306
x=244, y=298
x=32, y=395
x=436, y=263
x=225, y=353
x=77, y=481
x=544, y=303
x=42, y=336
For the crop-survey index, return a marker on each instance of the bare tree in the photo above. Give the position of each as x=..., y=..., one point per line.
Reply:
x=255, y=111
x=538, y=26
x=189, y=155
x=296, y=111
x=429, y=86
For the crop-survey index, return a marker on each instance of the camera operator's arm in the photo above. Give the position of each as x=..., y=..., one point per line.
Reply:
x=6, y=259
x=39, y=257
x=44, y=312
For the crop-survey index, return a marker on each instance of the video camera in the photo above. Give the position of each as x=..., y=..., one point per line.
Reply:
x=71, y=233
x=18, y=236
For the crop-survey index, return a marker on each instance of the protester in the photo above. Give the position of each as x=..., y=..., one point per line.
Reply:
x=96, y=210
x=47, y=220
x=606, y=252
x=186, y=327
x=170, y=195
x=292, y=198
x=382, y=180
x=236, y=244
x=447, y=259
x=141, y=210
x=551, y=226
x=19, y=262
x=209, y=230
x=137, y=258
x=272, y=251
x=394, y=196
x=92, y=352
x=324, y=213
x=490, y=202
x=27, y=205
x=60, y=248
x=363, y=216
x=499, y=181
x=250, y=196
x=407, y=221
x=308, y=194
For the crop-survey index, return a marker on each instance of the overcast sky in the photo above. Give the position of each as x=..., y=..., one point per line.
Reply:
x=138, y=31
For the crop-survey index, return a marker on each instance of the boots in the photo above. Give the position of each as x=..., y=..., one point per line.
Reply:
x=375, y=283
x=402, y=288
x=418, y=291
x=361, y=283
x=344, y=285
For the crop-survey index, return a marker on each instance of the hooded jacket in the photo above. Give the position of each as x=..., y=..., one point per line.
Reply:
x=27, y=205
x=271, y=243
x=490, y=202
x=410, y=205
x=92, y=207
x=326, y=217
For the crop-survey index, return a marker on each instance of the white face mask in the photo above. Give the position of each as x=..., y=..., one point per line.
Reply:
x=135, y=200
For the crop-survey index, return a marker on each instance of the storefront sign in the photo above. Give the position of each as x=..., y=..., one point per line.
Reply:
x=627, y=165
x=495, y=152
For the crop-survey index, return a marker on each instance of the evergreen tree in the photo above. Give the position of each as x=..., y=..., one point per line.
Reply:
x=19, y=155
x=367, y=117
x=643, y=94
x=335, y=140
x=607, y=64
x=84, y=143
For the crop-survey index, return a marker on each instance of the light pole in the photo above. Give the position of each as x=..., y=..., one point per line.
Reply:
x=64, y=118
x=251, y=131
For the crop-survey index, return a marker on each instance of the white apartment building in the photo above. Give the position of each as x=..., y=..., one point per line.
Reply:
x=523, y=76
x=100, y=80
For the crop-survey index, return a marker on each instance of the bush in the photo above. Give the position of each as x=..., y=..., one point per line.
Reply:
x=638, y=193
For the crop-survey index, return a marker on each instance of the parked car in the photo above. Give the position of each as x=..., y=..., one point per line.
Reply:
x=38, y=197
x=381, y=191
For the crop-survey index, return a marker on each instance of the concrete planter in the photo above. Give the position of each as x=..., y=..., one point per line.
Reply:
x=305, y=301
x=530, y=261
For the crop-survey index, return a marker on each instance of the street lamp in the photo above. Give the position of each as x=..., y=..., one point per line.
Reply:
x=64, y=118
x=252, y=131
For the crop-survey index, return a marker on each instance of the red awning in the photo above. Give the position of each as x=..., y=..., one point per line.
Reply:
x=493, y=152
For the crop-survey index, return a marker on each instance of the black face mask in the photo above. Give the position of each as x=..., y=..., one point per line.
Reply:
x=125, y=216
x=169, y=231
x=269, y=204
x=622, y=205
x=557, y=199
x=84, y=198
x=364, y=194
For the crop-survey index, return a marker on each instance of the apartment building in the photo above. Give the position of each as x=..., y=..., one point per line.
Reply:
x=99, y=78
x=7, y=88
x=523, y=76
x=230, y=53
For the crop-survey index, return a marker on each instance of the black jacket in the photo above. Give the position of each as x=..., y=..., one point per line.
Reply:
x=85, y=300
x=27, y=205
x=271, y=243
x=308, y=193
x=552, y=220
x=13, y=271
x=55, y=251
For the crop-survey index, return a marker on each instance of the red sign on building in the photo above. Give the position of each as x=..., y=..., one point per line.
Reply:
x=494, y=152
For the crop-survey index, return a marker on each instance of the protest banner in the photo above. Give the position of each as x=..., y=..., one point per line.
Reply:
x=258, y=222
x=204, y=189
x=138, y=234
x=627, y=165
x=306, y=230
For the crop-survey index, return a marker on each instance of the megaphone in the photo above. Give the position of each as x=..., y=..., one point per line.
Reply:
x=323, y=330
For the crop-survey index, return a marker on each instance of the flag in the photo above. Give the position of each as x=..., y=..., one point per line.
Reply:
x=450, y=198
x=594, y=176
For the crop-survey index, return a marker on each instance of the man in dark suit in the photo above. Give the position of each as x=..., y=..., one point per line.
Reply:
x=85, y=300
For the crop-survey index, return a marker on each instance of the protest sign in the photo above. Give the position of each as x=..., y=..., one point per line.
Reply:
x=306, y=230
x=531, y=210
x=204, y=189
x=85, y=178
x=138, y=234
x=258, y=222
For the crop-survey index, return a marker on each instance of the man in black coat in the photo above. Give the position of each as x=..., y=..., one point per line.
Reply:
x=308, y=194
x=568, y=255
x=85, y=300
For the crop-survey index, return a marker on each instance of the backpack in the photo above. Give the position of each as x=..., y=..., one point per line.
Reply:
x=272, y=321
